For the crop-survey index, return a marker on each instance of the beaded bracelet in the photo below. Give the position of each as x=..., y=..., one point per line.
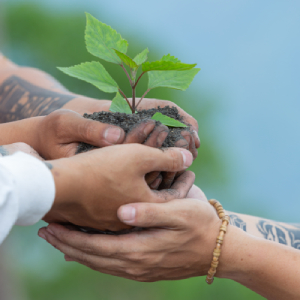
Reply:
x=217, y=251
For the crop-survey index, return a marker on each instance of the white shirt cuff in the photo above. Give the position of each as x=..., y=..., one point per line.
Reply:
x=35, y=186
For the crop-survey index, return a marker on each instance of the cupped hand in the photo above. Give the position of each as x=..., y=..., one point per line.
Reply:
x=147, y=133
x=90, y=187
x=178, y=243
x=59, y=134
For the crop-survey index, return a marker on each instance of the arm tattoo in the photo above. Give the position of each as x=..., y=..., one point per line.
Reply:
x=20, y=99
x=280, y=234
x=3, y=152
x=238, y=222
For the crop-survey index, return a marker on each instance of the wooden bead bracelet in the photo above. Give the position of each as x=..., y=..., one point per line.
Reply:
x=217, y=251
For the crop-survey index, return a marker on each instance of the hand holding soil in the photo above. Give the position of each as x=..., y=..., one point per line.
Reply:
x=90, y=187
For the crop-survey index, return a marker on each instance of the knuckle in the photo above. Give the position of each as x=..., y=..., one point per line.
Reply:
x=175, y=160
x=87, y=130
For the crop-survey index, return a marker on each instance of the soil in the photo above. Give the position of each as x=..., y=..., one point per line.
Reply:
x=128, y=122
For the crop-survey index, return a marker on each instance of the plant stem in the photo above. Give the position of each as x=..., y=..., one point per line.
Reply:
x=128, y=76
x=125, y=98
x=138, y=79
x=133, y=100
x=142, y=97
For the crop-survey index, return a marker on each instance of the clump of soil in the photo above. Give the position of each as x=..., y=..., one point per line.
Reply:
x=128, y=122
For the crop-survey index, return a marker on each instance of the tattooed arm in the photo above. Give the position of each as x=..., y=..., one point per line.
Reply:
x=283, y=233
x=27, y=92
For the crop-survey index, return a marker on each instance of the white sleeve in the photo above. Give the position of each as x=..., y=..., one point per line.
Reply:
x=27, y=191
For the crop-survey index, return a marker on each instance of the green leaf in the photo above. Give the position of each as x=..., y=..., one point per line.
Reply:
x=119, y=104
x=171, y=79
x=94, y=73
x=126, y=60
x=101, y=39
x=167, y=120
x=141, y=57
x=167, y=62
x=170, y=58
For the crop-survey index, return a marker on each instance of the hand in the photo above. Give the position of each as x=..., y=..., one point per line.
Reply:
x=178, y=244
x=91, y=186
x=189, y=141
x=15, y=147
x=59, y=133
x=87, y=105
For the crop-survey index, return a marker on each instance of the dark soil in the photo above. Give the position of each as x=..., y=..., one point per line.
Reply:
x=128, y=122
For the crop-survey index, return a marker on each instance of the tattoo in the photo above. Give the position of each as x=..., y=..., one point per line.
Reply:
x=3, y=152
x=50, y=166
x=20, y=99
x=238, y=222
x=280, y=234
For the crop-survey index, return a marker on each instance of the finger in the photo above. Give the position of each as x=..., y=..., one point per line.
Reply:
x=179, y=189
x=196, y=138
x=155, y=184
x=150, y=177
x=167, y=215
x=191, y=143
x=167, y=180
x=157, y=137
x=168, y=160
x=93, y=244
x=98, y=134
x=140, y=133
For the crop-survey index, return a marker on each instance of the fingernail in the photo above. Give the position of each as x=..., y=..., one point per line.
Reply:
x=127, y=213
x=149, y=127
x=40, y=234
x=50, y=230
x=112, y=135
x=196, y=135
x=187, y=157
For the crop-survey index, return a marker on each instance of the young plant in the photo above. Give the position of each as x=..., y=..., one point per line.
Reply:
x=104, y=42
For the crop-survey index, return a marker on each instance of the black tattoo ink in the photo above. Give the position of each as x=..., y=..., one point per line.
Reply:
x=20, y=99
x=238, y=222
x=50, y=166
x=3, y=152
x=279, y=234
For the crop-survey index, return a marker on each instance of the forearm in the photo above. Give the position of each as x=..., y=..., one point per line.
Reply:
x=20, y=131
x=283, y=233
x=268, y=268
x=27, y=92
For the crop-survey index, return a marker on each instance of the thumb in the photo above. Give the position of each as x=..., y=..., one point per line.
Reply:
x=93, y=132
x=151, y=214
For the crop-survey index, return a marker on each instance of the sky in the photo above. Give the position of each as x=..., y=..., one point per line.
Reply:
x=248, y=52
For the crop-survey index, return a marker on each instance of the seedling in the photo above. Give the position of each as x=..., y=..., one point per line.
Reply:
x=104, y=42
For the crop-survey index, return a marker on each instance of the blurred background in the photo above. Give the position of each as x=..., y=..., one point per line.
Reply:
x=245, y=98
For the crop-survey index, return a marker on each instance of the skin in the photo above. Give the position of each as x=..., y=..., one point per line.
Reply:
x=178, y=244
x=27, y=92
x=90, y=187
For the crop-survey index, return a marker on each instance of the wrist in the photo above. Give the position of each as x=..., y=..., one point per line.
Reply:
x=235, y=250
x=67, y=187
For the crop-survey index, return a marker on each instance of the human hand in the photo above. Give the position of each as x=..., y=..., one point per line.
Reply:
x=87, y=105
x=178, y=243
x=59, y=134
x=190, y=141
x=15, y=147
x=90, y=187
